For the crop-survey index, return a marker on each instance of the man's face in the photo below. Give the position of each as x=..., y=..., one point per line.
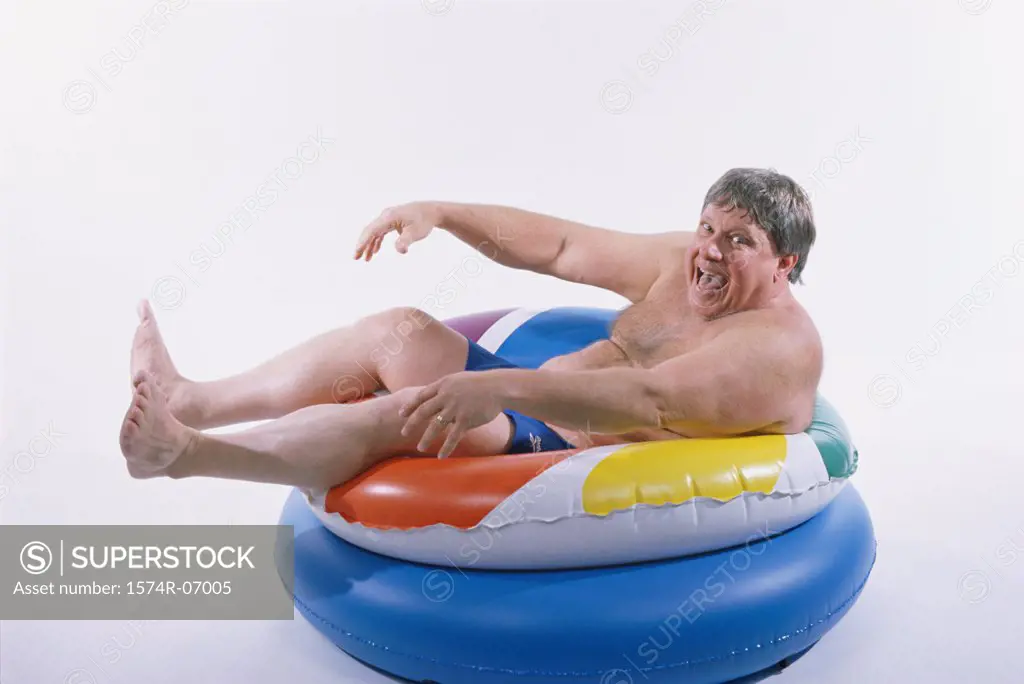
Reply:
x=732, y=265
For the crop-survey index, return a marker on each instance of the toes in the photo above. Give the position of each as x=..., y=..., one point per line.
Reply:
x=141, y=376
x=148, y=389
x=129, y=435
x=144, y=389
x=137, y=473
x=144, y=311
x=135, y=416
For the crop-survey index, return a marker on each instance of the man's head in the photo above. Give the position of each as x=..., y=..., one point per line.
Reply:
x=755, y=232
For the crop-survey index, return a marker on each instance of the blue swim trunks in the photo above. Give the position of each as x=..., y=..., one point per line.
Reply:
x=529, y=435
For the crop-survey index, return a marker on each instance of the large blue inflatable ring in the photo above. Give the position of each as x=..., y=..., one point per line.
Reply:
x=700, y=619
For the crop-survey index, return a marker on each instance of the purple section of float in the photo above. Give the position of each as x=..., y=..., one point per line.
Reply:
x=475, y=325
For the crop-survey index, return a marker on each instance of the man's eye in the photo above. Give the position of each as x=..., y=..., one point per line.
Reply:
x=739, y=240
x=705, y=227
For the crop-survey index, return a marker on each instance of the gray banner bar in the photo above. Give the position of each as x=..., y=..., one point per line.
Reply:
x=157, y=572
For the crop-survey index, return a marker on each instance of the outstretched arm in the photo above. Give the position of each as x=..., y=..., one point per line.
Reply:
x=624, y=263
x=621, y=262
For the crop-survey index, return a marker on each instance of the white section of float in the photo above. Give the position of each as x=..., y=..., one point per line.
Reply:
x=804, y=468
x=500, y=330
x=543, y=525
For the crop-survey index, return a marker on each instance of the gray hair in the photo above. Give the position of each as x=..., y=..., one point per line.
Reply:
x=776, y=202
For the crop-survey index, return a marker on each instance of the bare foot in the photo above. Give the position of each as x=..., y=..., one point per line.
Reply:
x=152, y=440
x=149, y=353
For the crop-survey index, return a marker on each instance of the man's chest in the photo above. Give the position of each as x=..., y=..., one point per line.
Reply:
x=654, y=331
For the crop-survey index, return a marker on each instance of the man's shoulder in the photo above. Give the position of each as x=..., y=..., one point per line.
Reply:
x=789, y=317
x=788, y=330
x=676, y=241
x=786, y=341
x=665, y=246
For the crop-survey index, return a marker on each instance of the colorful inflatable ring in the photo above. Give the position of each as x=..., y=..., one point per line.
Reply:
x=700, y=619
x=587, y=507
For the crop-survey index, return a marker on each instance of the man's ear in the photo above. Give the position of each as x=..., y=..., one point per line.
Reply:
x=786, y=264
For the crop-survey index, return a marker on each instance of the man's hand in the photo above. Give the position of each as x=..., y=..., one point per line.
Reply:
x=412, y=222
x=458, y=403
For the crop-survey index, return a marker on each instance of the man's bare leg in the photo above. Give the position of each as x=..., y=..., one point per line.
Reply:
x=314, y=447
x=397, y=348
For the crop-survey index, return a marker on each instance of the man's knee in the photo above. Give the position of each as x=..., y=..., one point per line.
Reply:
x=400, y=322
x=409, y=346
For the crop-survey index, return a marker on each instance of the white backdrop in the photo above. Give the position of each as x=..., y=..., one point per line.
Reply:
x=123, y=163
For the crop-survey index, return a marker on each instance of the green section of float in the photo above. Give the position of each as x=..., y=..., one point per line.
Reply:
x=832, y=438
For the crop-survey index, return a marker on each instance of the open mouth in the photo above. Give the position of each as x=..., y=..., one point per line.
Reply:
x=708, y=281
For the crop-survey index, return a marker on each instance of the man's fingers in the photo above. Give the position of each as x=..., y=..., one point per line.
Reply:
x=455, y=435
x=417, y=417
x=421, y=396
x=368, y=253
x=404, y=240
x=377, y=244
x=373, y=232
x=433, y=430
x=409, y=234
x=364, y=247
x=429, y=436
x=364, y=239
x=413, y=232
x=372, y=237
x=422, y=415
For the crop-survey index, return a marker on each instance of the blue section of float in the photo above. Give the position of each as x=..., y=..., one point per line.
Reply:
x=555, y=332
x=701, y=619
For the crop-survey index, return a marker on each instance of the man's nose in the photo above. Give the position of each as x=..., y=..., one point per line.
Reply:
x=711, y=252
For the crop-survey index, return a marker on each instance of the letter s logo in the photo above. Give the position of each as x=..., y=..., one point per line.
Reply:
x=36, y=558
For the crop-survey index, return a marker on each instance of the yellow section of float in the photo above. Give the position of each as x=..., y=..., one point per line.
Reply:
x=674, y=471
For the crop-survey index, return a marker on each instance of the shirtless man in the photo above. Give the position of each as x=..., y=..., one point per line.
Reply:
x=714, y=344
